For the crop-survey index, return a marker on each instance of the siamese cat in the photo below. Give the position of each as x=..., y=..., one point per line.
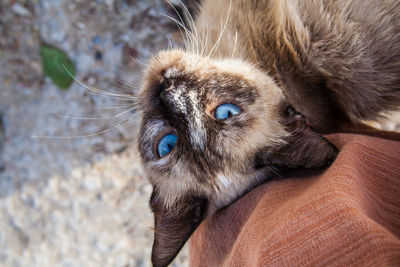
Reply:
x=249, y=95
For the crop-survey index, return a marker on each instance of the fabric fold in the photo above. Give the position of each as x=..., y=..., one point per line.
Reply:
x=348, y=214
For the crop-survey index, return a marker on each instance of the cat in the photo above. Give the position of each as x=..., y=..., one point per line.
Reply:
x=249, y=95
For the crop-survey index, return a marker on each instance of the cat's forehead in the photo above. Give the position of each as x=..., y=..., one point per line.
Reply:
x=177, y=64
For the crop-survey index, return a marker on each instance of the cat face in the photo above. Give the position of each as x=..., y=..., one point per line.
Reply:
x=182, y=96
x=211, y=130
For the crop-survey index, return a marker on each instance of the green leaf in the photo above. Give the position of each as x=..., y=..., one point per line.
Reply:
x=57, y=66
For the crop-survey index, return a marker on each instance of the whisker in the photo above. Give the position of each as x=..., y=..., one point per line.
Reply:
x=125, y=111
x=132, y=85
x=129, y=88
x=117, y=107
x=179, y=16
x=139, y=62
x=204, y=43
x=80, y=136
x=116, y=122
x=120, y=97
x=169, y=38
x=126, y=87
x=184, y=38
x=113, y=97
x=182, y=22
x=188, y=33
x=93, y=89
x=133, y=116
x=192, y=26
x=234, y=45
x=191, y=19
x=274, y=172
x=79, y=118
x=76, y=136
x=223, y=30
x=97, y=92
x=104, y=93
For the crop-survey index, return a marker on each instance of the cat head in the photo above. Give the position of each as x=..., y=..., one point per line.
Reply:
x=210, y=131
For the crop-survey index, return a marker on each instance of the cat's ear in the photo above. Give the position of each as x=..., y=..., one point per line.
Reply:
x=173, y=226
x=304, y=147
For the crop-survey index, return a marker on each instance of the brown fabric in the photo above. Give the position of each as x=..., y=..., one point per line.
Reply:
x=346, y=215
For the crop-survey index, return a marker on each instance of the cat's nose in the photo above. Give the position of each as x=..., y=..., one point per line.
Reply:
x=164, y=96
x=167, y=83
x=166, y=91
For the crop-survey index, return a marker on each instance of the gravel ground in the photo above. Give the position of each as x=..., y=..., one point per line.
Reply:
x=71, y=200
x=75, y=201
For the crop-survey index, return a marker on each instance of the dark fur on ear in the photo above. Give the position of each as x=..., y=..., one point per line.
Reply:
x=304, y=146
x=174, y=226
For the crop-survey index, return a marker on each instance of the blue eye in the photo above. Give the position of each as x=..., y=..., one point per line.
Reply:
x=166, y=144
x=225, y=111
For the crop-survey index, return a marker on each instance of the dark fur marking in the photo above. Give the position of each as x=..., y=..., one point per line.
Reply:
x=304, y=147
x=173, y=227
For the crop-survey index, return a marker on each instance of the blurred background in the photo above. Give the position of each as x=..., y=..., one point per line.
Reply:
x=71, y=189
x=75, y=200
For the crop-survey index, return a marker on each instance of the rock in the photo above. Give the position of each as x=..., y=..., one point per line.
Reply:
x=21, y=10
x=2, y=140
x=2, y=132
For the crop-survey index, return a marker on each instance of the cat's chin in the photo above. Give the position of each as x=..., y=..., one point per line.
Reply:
x=229, y=192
